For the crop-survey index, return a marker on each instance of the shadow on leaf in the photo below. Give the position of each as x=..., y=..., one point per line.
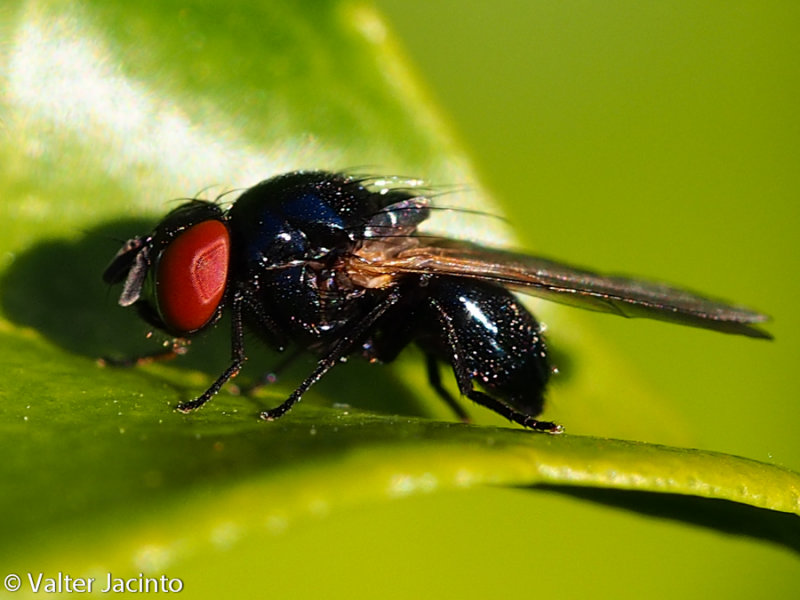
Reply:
x=726, y=517
x=56, y=288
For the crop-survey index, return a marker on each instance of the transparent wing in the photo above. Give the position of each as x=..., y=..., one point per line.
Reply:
x=624, y=296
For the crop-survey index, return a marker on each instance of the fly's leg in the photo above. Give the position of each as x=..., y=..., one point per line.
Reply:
x=342, y=348
x=511, y=414
x=237, y=360
x=435, y=379
x=464, y=381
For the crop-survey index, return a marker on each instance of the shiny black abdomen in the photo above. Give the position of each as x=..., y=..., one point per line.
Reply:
x=489, y=337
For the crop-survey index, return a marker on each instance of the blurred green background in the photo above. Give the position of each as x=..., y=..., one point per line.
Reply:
x=658, y=139
x=661, y=139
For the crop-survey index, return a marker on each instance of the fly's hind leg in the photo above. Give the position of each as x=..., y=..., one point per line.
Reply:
x=435, y=379
x=511, y=414
x=465, y=385
x=465, y=382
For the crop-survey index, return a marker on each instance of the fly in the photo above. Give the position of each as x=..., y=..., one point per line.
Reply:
x=333, y=264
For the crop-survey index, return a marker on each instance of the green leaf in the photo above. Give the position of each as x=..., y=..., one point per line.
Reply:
x=110, y=110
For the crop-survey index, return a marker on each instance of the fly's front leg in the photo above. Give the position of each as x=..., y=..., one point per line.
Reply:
x=237, y=360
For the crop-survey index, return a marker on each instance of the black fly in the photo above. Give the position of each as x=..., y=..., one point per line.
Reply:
x=331, y=264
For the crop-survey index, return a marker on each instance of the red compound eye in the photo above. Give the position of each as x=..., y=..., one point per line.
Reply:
x=191, y=276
